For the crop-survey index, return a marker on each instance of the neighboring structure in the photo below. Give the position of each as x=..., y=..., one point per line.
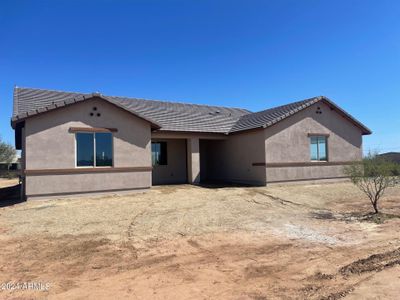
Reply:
x=6, y=167
x=12, y=165
x=85, y=143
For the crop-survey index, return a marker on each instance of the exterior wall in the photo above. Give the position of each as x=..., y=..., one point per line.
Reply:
x=297, y=173
x=288, y=145
x=193, y=160
x=23, y=163
x=178, y=168
x=175, y=171
x=50, y=145
x=60, y=184
x=206, y=147
x=232, y=159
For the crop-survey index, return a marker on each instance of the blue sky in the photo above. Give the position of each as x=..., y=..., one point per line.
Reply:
x=250, y=54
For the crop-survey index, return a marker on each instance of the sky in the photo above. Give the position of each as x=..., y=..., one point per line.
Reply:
x=248, y=54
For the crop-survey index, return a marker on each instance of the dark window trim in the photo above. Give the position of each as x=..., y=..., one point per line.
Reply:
x=91, y=129
x=318, y=134
x=164, y=157
x=86, y=170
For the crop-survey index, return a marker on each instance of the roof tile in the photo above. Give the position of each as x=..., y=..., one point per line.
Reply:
x=170, y=116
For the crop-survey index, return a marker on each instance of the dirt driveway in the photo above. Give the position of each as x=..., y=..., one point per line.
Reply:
x=186, y=242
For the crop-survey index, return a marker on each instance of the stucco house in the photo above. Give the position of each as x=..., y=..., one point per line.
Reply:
x=76, y=143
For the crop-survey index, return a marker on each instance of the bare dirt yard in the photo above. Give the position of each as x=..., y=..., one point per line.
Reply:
x=187, y=242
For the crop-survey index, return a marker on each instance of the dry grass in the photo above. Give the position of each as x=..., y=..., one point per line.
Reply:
x=271, y=242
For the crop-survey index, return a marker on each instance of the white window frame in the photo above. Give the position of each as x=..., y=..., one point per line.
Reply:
x=94, y=151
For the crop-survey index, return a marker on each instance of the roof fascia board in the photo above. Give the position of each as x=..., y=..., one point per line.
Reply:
x=365, y=130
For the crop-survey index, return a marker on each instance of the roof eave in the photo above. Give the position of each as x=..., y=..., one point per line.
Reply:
x=18, y=118
x=364, y=129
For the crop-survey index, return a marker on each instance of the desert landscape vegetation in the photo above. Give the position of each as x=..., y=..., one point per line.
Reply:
x=307, y=241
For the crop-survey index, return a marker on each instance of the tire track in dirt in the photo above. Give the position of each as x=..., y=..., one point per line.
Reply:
x=348, y=277
x=280, y=200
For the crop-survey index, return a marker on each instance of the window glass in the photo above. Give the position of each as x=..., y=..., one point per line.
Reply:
x=155, y=153
x=103, y=149
x=322, y=148
x=84, y=149
x=318, y=148
x=314, y=148
x=159, y=153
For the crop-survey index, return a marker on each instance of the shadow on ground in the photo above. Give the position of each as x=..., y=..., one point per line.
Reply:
x=10, y=195
x=211, y=184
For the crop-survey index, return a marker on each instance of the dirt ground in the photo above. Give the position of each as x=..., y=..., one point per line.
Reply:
x=187, y=242
x=7, y=182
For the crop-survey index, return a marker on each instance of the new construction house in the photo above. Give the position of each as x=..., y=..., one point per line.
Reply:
x=76, y=143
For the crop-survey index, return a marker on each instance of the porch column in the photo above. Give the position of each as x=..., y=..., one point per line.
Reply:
x=193, y=160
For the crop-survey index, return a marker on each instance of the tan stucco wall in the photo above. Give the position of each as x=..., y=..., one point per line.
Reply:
x=23, y=162
x=288, y=141
x=43, y=185
x=193, y=160
x=232, y=159
x=175, y=170
x=50, y=145
x=297, y=173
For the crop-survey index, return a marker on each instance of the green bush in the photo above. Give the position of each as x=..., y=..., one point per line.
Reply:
x=373, y=175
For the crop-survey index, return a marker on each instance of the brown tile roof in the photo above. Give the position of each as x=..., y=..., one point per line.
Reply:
x=169, y=116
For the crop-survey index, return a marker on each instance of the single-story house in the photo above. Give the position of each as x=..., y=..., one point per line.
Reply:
x=75, y=143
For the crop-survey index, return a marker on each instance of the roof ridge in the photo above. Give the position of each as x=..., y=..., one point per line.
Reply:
x=179, y=116
x=247, y=116
x=51, y=90
x=276, y=114
x=291, y=103
x=135, y=98
x=178, y=102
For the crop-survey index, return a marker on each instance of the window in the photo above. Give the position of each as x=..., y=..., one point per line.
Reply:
x=103, y=149
x=84, y=149
x=318, y=148
x=94, y=149
x=159, y=153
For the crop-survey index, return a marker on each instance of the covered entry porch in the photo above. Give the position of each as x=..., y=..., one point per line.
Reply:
x=183, y=158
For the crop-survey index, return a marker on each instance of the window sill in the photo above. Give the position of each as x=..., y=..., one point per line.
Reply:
x=88, y=167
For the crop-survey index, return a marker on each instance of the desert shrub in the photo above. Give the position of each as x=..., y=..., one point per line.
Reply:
x=373, y=175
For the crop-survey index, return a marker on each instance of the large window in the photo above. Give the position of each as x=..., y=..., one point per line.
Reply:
x=159, y=153
x=94, y=149
x=318, y=148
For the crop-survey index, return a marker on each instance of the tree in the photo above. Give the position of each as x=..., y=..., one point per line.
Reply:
x=373, y=175
x=7, y=152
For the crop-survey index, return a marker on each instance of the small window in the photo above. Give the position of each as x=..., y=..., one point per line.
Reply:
x=103, y=149
x=318, y=147
x=159, y=153
x=94, y=149
x=84, y=150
